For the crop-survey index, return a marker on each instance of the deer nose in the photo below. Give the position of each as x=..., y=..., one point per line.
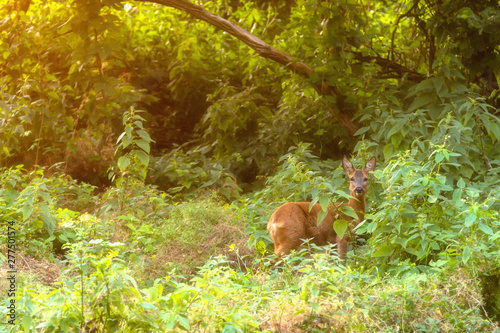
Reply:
x=359, y=189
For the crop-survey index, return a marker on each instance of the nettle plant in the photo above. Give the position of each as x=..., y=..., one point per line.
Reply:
x=134, y=147
x=437, y=198
x=129, y=174
x=34, y=202
x=426, y=217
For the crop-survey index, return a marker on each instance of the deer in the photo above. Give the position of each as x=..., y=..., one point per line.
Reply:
x=294, y=222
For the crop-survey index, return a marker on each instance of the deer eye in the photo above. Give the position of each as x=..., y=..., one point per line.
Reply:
x=352, y=179
x=365, y=179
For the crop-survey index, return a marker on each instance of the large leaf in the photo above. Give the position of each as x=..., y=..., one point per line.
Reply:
x=471, y=218
x=340, y=226
x=143, y=144
x=123, y=162
x=143, y=157
x=349, y=211
x=486, y=229
x=322, y=214
x=384, y=250
x=467, y=253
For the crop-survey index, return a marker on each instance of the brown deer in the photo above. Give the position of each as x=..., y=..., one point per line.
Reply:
x=292, y=222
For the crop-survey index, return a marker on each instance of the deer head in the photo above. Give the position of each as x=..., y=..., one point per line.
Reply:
x=358, y=178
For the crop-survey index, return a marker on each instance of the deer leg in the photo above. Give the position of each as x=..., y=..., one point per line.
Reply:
x=342, y=244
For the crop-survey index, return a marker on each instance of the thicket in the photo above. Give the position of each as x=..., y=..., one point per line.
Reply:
x=143, y=152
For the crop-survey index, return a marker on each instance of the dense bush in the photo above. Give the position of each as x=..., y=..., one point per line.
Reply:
x=193, y=139
x=313, y=294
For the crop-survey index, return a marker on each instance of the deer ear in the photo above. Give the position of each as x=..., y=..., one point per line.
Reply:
x=370, y=165
x=347, y=165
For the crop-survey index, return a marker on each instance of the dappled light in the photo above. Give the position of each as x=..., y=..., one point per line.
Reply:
x=144, y=146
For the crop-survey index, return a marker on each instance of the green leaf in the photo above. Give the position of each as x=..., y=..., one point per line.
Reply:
x=395, y=129
x=438, y=83
x=457, y=196
x=322, y=214
x=418, y=188
x=123, y=163
x=146, y=305
x=143, y=144
x=120, y=137
x=143, y=157
x=144, y=135
x=313, y=202
x=362, y=130
x=420, y=101
x=439, y=157
x=184, y=321
x=495, y=132
x=446, y=154
x=314, y=194
x=461, y=183
x=138, y=123
x=48, y=220
x=371, y=226
x=446, y=71
x=471, y=218
x=486, y=122
x=340, y=226
x=396, y=139
x=126, y=141
x=349, y=211
x=27, y=210
x=323, y=201
x=260, y=247
x=467, y=253
x=388, y=151
x=171, y=321
x=384, y=251
x=486, y=229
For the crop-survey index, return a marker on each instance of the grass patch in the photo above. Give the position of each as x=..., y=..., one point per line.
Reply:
x=192, y=233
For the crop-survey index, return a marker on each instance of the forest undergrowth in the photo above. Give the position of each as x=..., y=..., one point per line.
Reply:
x=143, y=150
x=137, y=259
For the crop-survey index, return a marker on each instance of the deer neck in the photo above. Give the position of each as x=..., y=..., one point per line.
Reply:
x=359, y=205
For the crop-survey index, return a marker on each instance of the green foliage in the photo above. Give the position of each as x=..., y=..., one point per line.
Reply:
x=311, y=293
x=134, y=146
x=131, y=168
x=424, y=76
x=118, y=55
x=428, y=218
x=100, y=271
x=301, y=176
x=53, y=92
x=437, y=113
x=33, y=201
x=187, y=174
x=436, y=198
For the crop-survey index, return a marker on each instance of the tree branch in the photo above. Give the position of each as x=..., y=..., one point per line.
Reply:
x=263, y=49
x=391, y=66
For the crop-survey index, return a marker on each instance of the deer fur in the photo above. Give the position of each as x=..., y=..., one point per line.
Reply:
x=293, y=222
